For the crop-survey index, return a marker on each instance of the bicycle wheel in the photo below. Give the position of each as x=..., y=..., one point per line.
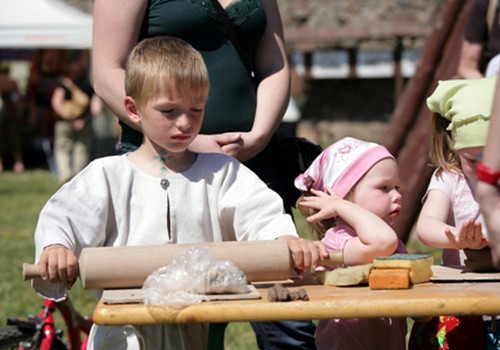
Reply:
x=12, y=338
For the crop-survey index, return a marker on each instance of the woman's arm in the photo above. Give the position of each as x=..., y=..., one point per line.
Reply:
x=115, y=32
x=273, y=92
x=273, y=72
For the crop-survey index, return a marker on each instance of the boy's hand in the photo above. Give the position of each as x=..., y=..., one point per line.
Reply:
x=58, y=264
x=306, y=253
x=469, y=236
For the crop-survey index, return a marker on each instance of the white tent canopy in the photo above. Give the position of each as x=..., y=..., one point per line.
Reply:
x=33, y=24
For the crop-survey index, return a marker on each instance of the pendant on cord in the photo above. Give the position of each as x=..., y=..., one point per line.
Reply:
x=164, y=183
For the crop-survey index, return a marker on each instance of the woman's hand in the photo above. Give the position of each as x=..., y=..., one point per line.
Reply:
x=240, y=145
x=211, y=143
x=247, y=147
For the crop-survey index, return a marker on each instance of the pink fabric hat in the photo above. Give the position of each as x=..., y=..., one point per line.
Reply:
x=341, y=165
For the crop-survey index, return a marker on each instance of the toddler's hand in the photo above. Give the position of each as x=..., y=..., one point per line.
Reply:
x=58, y=264
x=306, y=253
x=469, y=236
x=324, y=202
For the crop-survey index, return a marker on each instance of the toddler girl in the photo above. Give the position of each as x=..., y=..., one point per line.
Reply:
x=351, y=197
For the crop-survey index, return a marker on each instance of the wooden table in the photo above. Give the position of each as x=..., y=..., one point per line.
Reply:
x=426, y=299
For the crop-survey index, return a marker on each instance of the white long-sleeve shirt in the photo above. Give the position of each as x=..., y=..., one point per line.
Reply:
x=113, y=203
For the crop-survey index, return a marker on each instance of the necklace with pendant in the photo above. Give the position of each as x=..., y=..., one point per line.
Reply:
x=164, y=183
x=164, y=171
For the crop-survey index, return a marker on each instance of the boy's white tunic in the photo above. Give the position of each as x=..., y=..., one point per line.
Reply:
x=113, y=203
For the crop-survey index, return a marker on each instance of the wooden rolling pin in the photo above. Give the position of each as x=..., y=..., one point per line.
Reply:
x=128, y=267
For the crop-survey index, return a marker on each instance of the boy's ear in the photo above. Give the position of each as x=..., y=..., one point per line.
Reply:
x=132, y=110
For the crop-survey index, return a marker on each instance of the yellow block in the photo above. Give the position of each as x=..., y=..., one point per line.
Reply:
x=418, y=264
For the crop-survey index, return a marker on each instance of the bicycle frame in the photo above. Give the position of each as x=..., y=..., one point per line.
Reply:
x=74, y=321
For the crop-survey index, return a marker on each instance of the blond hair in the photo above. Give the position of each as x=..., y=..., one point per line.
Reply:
x=162, y=64
x=442, y=154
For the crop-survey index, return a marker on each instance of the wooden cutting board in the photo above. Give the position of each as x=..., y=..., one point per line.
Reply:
x=133, y=296
x=460, y=273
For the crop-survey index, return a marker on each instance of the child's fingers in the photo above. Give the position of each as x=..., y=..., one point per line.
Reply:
x=305, y=253
x=67, y=268
x=312, y=201
x=57, y=267
x=314, y=217
x=471, y=230
x=451, y=236
x=318, y=193
x=72, y=262
x=58, y=264
x=321, y=249
x=53, y=268
x=312, y=204
x=331, y=192
x=42, y=267
x=466, y=232
x=297, y=254
x=472, y=233
x=478, y=231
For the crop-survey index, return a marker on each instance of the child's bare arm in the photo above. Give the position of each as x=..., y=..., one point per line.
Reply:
x=58, y=264
x=306, y=253
x=431, y=223
x=433, y=230
x=374, y=236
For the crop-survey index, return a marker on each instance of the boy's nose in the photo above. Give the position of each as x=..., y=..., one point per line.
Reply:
x=183, y=122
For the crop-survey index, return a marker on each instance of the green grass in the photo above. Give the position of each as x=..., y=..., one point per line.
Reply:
x=22, y=196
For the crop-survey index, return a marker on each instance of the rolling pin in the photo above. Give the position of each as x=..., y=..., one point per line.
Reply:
x=128, y=267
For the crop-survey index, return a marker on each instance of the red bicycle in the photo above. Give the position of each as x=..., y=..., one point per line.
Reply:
x=40, y=332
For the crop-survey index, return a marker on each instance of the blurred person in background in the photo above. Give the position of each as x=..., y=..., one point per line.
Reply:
x=10, y=120
x=73, y=135
x=481, y=39
x=46, y=70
